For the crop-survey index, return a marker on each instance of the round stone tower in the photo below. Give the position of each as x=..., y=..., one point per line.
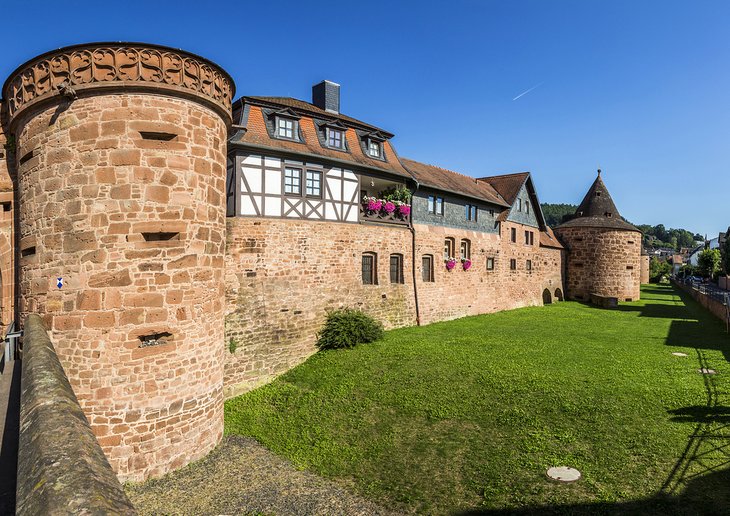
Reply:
x=120, y=173
x=604, y=251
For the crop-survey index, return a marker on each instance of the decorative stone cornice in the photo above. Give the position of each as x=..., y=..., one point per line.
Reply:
x=69, y=71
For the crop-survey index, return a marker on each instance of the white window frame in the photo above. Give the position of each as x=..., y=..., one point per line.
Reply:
x=341, y=132
x=281, y=124
x=307, y=179
x=297, y=183
x=374, y=145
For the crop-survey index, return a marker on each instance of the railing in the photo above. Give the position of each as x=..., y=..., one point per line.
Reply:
x=385, y=218
x=12, y=337
x=708, y=290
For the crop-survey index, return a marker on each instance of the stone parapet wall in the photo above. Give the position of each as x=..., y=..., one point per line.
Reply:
x=122, y=197
x=602, y=261
x=283, y=276
x=61, y=467
x=715, y=307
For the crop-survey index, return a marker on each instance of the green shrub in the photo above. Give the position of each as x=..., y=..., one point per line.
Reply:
x=232, y=345
x=346, y=327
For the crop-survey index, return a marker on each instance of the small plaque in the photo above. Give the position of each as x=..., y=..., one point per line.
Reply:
x=59, y=282
x=678, y=354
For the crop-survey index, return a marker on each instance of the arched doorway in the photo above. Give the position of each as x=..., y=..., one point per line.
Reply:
x=547, y=298
x=558, y=294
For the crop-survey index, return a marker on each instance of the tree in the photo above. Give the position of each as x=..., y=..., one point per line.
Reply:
x=658, y=269
x=726, y=256
x=554, y=213
x=708, y=262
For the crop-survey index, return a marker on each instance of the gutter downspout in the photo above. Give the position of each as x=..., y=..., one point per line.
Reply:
x=413, y=256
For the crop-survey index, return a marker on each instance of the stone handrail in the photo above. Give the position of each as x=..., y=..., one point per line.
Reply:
x=61, y=467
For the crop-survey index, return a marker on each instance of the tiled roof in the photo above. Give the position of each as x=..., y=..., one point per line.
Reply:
x=307, y=107
x=548, y=239
x=258, y=134
x=597, y=210
x=508, y=185
x=454, y=182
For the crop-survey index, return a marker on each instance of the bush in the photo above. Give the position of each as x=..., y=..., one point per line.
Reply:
x=346, y=327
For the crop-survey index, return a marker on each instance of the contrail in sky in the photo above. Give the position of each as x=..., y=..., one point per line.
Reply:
x=527, y=91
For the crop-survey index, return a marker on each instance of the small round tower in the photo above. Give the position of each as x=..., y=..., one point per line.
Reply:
x=604, y=251
x=120, y=173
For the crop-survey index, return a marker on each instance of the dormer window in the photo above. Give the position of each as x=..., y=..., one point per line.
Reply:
x=287, y=128
x=375, y=148
x=335, y=138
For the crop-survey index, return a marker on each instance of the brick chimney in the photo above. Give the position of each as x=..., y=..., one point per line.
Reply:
x=326, y=95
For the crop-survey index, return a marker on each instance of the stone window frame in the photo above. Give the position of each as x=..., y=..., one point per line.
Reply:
x=465, y=249
x=513, y=235
x=369, y=277
x=528, y=265
x=449, y=248
x=513, y=264
x=427, y=272
x=398, y=277
x=529, y=237
x=490, y=263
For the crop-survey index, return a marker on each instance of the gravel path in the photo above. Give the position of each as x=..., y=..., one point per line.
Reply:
x=242, y=477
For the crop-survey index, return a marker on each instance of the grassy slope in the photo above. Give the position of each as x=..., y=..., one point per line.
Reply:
x=470, y=413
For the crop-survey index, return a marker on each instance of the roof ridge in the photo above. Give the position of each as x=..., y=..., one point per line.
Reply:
x=527, y=172
x=442, y=168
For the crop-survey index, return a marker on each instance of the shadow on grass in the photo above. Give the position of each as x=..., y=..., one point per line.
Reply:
x=662, y=310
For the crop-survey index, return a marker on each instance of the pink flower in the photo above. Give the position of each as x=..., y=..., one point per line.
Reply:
x=374, y=204
x=450, y=264
x=466, y=264
x=389, y=207
x=404, y=210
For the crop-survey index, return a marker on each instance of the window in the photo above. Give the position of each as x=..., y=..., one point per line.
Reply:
x=335, y=138
x=314, y=183
x=519, y=204
x=374, y=148
x=396, y=268
x=369, y=269
x=449, y=246
x=513, y=235
x=435, y=205
x=471, y=212
x=490, y=264
x=527, y=206
x=491, y=213
x=286, y=128
x=293, y=181
x=529, y=238
x=427, y=268
x=512, y=264
x=528, y=265
x=465, y=249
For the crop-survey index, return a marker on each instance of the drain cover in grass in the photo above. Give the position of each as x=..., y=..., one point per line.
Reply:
x=564, y=474
x=704, y=370
x=680, y=354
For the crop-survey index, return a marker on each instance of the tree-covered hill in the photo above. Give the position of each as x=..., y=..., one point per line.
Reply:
x=654, y=236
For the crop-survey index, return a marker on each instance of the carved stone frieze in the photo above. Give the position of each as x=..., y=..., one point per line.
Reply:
x=87, y=66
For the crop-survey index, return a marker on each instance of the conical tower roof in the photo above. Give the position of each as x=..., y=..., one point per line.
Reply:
x=598, y=210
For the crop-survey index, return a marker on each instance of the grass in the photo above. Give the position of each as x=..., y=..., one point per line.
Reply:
x=466, y=416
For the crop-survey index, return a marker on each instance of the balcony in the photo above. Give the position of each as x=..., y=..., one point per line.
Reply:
x=383, y=217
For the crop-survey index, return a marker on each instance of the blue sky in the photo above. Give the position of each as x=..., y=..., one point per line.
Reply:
x=639, y=88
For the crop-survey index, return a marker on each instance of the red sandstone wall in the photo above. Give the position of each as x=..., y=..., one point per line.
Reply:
x=282, y=276
x=645, y=269
x=7, y=234
x=602, y=261
x=89, y=187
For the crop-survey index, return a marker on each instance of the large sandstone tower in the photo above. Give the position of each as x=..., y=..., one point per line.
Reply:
x=120, y=156
x=604, y=251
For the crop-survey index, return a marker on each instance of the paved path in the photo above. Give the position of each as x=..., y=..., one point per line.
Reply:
x=9, y=424
x=242, y=477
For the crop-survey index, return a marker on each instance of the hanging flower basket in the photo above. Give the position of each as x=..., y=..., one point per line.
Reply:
x=466, y=264
x=450, y=264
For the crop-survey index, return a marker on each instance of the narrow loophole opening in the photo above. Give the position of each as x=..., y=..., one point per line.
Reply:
x=25, y=157
x=162, y=137
x=154, y=339
x=160, y=237
x=28, y=251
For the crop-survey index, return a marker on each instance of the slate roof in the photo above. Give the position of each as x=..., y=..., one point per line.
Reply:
x=508, y=185
x=250, y=113
x=597, y=210
x=453, y=182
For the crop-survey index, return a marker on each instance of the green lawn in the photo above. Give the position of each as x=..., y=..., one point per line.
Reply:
x=466, y=416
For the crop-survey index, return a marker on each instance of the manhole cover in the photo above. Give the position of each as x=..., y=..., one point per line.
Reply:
x=704, y=370
x=564, y=474
x=680, y=354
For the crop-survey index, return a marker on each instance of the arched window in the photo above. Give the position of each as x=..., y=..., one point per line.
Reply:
x=465, y=249
x=449, y=248
x=369, y=269
x=558, y=294
x=396, y=268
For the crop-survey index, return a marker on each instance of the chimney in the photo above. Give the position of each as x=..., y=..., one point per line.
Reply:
x=326, y=95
